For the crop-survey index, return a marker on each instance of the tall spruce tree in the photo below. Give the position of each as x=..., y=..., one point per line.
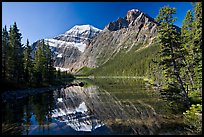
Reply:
x=28, y=66
x=16, y=55
x=197, y=45
x=50, y=64
x=171, y=52
x=38, y=64
x=11, y=65
x=186, y=38
x=5, y=41
x=44, y=63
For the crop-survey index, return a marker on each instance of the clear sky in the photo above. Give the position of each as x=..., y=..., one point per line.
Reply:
x=37, y=20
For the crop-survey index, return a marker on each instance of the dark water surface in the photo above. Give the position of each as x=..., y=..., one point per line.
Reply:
x=101, y=106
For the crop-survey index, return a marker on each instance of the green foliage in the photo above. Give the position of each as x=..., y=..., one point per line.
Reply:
x=5, y=50
x=195, y=97
x=192, y=118
x=38, y=64
x=28, y=64
x=20, y=70
x=172, y=52
x=181, y=62
x=18, y=54
x=192, y=42
x=191, y=34
x=85, y=71
x=15, y=55
x=197, y=45
x=133, y=63
x=43, y=64
x=186, y=36
x=171, y=93
x=50, y=70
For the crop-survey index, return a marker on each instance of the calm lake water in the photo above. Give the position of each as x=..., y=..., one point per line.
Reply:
x=101, y=106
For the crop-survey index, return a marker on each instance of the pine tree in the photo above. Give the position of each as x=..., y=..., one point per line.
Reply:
x=5, y=42
x=44, y=63
x=38, y=64
x=28, y=66
x=171, y=51
x=50, y=64
x=197, y=44
x=15, y=55
x=186, y=36
x=11, y=55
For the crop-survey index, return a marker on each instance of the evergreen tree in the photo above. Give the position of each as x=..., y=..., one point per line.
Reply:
x=10, y=56
x=5, y=40
x=28, y=66
x=172, y=59
x=50, y=64
x=18, y=67
x=38, y=64
x=191, y=33
x=197, y=44
x=44, y=63
x=186, y=36
x=16, y=55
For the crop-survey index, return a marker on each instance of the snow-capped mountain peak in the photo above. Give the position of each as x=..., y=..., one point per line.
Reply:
x=134, y=10
x=82, y=28
x=69, y=46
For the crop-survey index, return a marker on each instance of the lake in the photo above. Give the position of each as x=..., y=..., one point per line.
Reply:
x=100, y=107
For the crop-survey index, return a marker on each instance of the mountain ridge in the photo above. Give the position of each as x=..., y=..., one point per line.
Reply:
x=88, y=46
x=69, y=46
x=120, y=35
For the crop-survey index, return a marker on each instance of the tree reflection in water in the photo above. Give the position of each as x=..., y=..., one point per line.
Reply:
x=114, y=106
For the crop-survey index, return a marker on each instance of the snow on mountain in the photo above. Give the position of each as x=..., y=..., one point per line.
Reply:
x=80, y=46
x=122, y=34
x=78, y=36
x=63, y=44
x=80, y=29
x=68, y=47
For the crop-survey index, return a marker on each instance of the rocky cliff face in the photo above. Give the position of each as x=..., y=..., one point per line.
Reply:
x=135, y=28
x=68, y=47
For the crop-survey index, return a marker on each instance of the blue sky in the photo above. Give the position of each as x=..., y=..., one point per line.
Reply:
x=37, y=20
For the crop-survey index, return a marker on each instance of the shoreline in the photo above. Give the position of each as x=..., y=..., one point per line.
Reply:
x=19, y=94
x=22, y=93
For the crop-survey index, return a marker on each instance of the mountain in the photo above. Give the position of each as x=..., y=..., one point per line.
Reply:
x=134, y=32
x=68, y=47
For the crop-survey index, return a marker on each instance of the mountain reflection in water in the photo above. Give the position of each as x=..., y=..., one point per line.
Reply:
x=103, y=106
x=71, y=109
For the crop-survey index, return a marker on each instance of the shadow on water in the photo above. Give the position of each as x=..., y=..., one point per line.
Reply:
x=100, y=106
